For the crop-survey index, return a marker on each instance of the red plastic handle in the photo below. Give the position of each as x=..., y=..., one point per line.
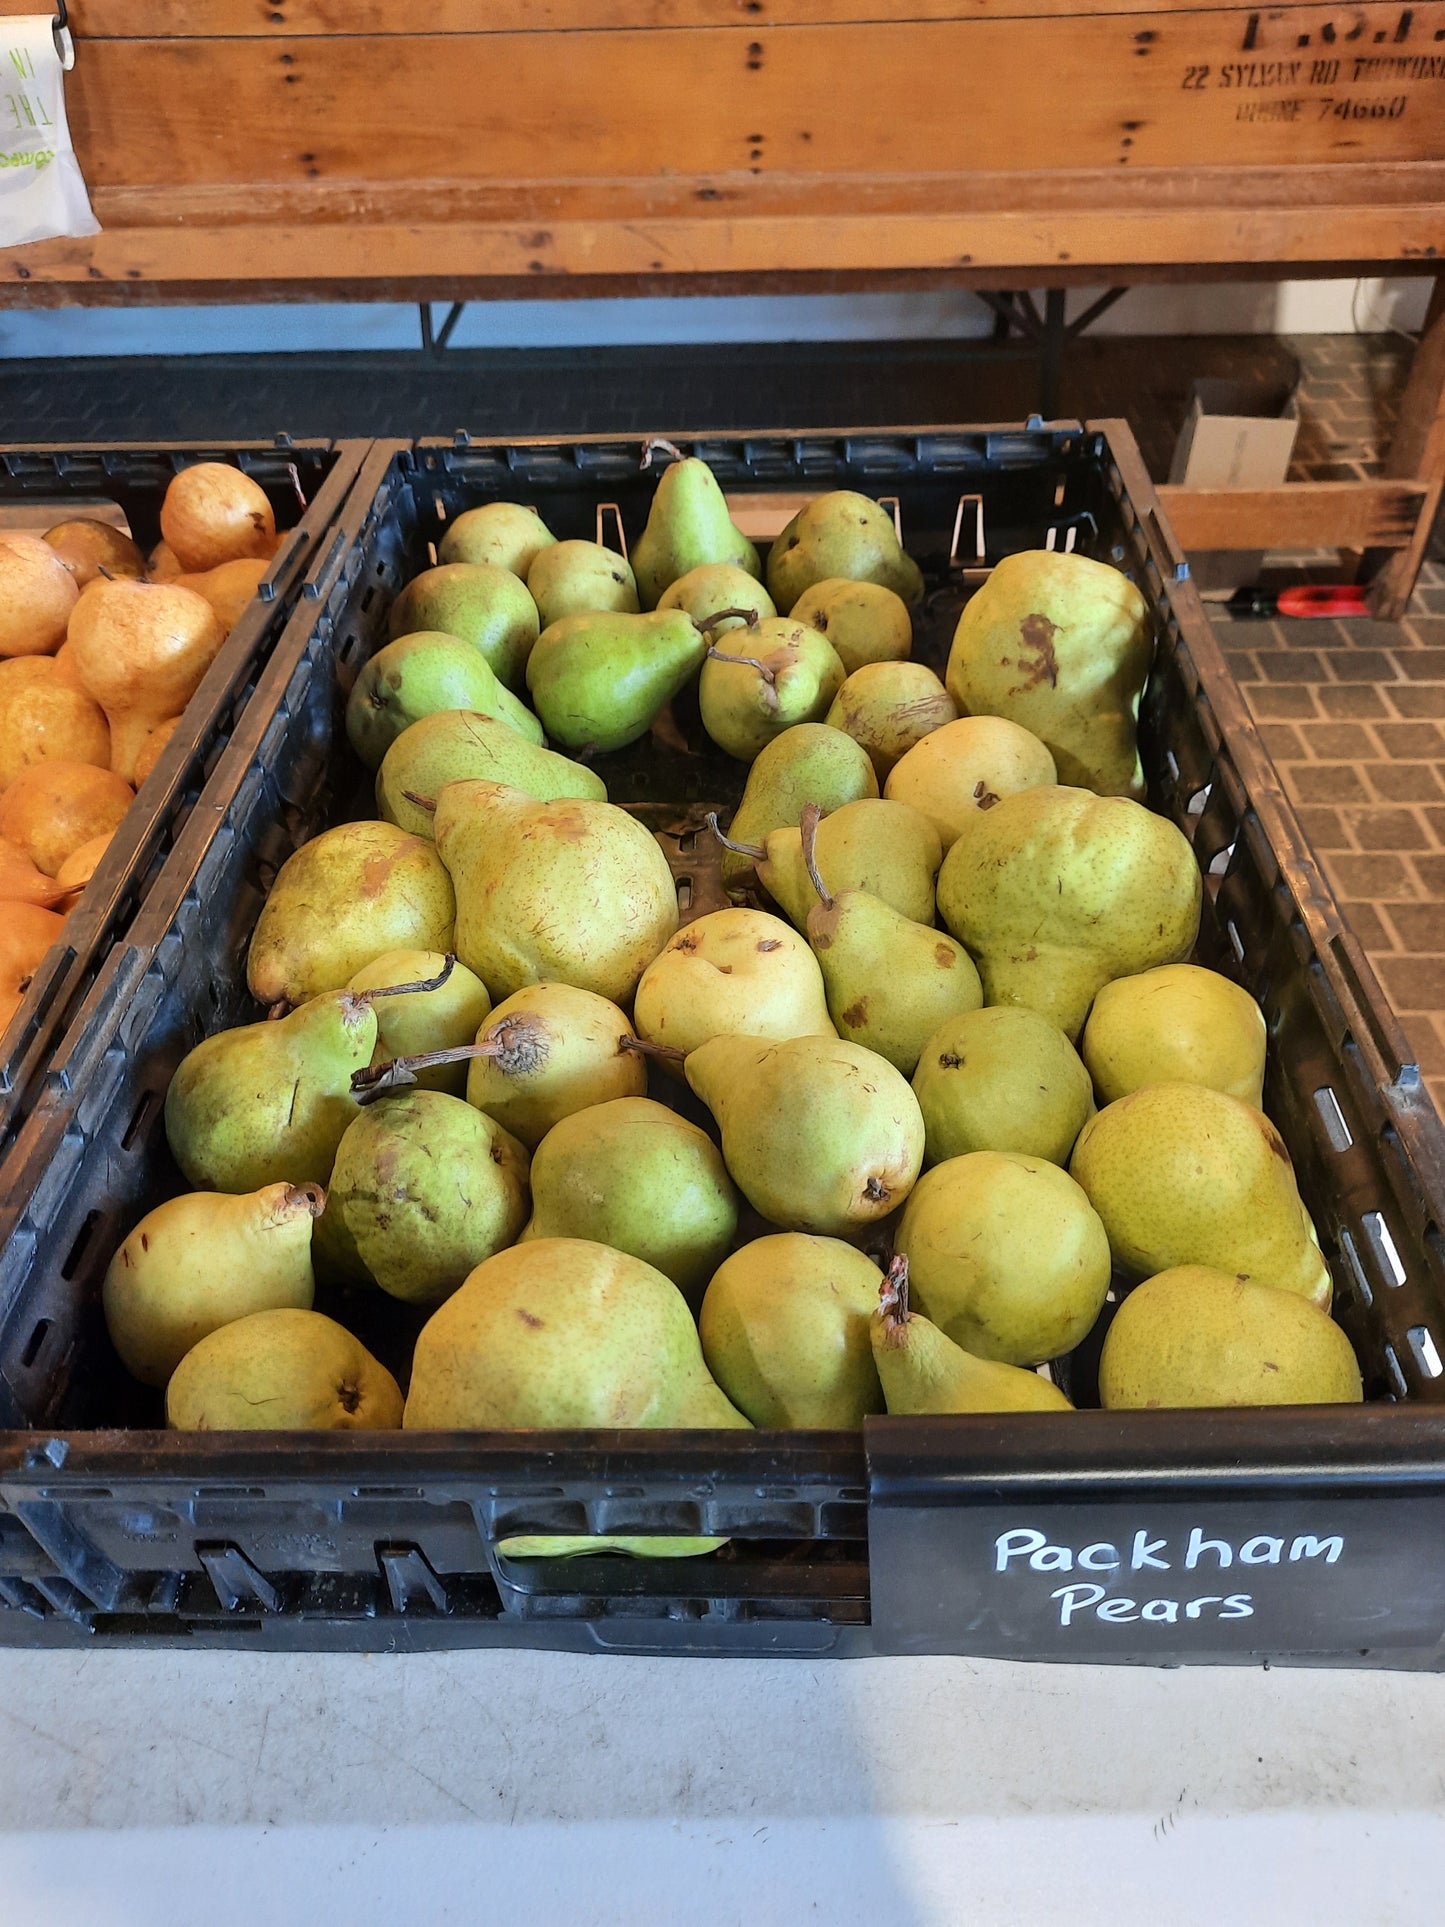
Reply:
x=1323, y=599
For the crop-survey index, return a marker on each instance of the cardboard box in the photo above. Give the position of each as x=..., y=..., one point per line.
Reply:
x=1237, y=434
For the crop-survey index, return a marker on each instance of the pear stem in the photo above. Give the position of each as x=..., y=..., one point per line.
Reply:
x=664, y=1053
x=749, y=616
x=769, y=676
x=311, y=1195
x=893, y=1301
x=407, y=990
x=279, y=1010
x=427, y=803
x=738, y=849
x=655, y=442
x=808, y=830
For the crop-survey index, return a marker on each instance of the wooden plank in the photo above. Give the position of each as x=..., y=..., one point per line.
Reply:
x=1299, y=515
x=463, y=258
x=1152, y=90
x=276, y=19
x=1418, y=451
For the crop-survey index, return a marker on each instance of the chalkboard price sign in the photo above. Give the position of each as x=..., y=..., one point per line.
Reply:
x=1155, y=1537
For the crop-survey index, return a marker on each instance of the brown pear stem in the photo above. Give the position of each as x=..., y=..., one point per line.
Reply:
x=278, y=1010
x=377, y=1080
x=808, y=829
x=101, y=569
x=769, y=676
x=409, y=990
x=653, y=443
x=664, y=1053
x=893, y=1301
x=311, y=1195
x=427, y=803
x=749, y=616
x=738, y=849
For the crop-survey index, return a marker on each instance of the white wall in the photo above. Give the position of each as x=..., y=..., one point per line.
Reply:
x=1298, y=307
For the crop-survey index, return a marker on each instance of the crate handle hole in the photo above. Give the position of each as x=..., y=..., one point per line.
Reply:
x=77, y=1250
x=1332, y=1117
x=1383, y=1246
x=42, y=1331
x=1423, y=1346
x=684, y=893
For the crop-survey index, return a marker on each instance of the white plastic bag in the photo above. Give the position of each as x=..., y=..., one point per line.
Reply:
x=42, y=191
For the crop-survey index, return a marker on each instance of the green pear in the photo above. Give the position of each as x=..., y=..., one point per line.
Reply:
x=889, y=707
x=601, y=681
x=809, y=763
x=819, y=1135
x=1056, y=892
x=282, y=1371
x=1178, y=1024
x=418, y=675
x=562, y=1335
x=888, y=849
x=1184, y=1175
x=923, y=1371
x=199, y=1261
x=485, y=606
x=550, y=1050
x=774, y=674
x=269, y=1102
x=731, y=971
x=963, y=768
x=894, y=1007
x=427, y=1187
x=502, y=534
x=341, y=901
x=1001, y=1079
x=1006, y=1255
x=634, y=1175
x=688, y=526
x=578, y=579
x=1062, y=645
x=1196, y=1336
x=864, y=621
x=706, y=593
x=425, y=1020
x=456, y=744
x=840, y=534
x=572, y=890
x=784, y=1329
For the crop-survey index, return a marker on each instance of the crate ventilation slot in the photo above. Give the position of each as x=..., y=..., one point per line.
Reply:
x=1426, y=1356
x=1383, y=1246
x=1236, y=943
x=1333, y=1118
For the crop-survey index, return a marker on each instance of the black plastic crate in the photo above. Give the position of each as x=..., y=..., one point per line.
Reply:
x=307, y=482
x=1330, y=1520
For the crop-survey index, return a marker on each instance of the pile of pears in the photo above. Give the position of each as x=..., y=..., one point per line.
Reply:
x=886, y=1134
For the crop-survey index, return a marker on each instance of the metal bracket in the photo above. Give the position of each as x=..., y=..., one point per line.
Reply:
x=612, y=509
x=64, y=40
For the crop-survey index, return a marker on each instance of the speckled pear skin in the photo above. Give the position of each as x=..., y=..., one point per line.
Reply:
x=573, y=891
x=423, y=675
x=634, y=1175
x=1002, y=1079
x=601, y=681
x=1194, y=1336
x=1061, y=644
x=504, y=534
x=730, y=971
x=923, y=1371
x=565, y=1051
x=784, y=1326
x=688, y=527
x=483, y=605
x=744, y=709
x=963, y=767
x=865, y=621
x=809, y=763
x=887, y=849
x=840, y=534
x=896, y=1009
x=282, y=1371
x=560, y=1334
x=819, y=1135
x=1178, y=1024
x=575, y=578
x=1056, y=892
x=889, y=707
x=1006, y=1255
x=706, y=591
x=1184, y=1175
x=344, y=898
x=457, y=744
x=269, y=1102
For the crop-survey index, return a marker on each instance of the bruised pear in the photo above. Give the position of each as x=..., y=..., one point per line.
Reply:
x=550, y=1050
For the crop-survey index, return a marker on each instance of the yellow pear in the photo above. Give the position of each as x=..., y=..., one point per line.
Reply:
x=213, y=513
x=963, y=768
x=730, y=971
x=889, y=707
x=1006, y=1255
x=550, y=1050
x=923, y=1371
x=1056, y=892
x=43, y=714
x=1184, y=1175
x=282, y=1371
x=864, y=621
x=1001, y=1079
x=1178, y=1024
x=887, y=849
x=1196, y=1336
x=425, y=1020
